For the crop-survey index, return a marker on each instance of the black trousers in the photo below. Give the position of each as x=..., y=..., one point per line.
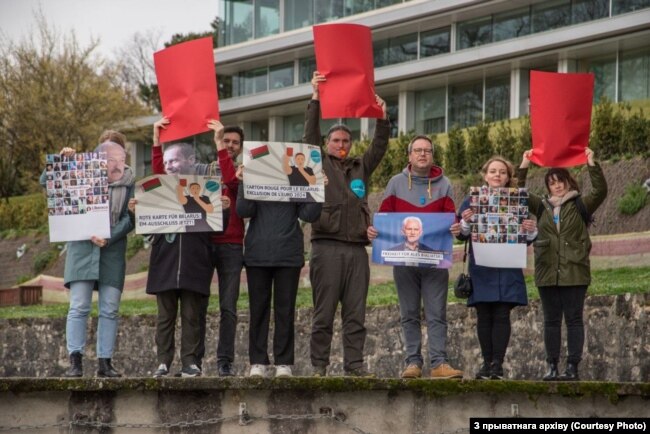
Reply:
x=567, y=302
x=493, y=330
x=281, y=285
x=192, y=306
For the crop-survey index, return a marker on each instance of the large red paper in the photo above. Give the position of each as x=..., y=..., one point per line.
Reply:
x=188, y=88
x=344, y=57
x=560, y=116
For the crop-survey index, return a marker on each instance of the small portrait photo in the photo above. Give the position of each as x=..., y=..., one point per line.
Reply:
x=523, y=201
x=512, y=239
x=474, y=191
x=523, y=192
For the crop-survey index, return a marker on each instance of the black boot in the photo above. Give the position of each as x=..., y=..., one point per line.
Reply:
x=570, y=373
x=76, y=368
x=105, y=369
x=484, y=372
x=496, y=371
x=553, y=373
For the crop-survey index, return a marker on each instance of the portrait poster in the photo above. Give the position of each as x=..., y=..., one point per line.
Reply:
x=413, y=239
x=177, y=204
x=77, y=196
x=498, y=237
x=283, y=172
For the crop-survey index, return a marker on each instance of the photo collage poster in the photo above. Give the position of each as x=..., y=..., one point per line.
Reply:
x=498, y=237
x=77, y=196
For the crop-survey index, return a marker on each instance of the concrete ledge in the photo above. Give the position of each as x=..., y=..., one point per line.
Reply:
x=299, y=404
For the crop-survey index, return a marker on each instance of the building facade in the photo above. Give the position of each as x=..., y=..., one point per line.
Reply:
x=438, y=63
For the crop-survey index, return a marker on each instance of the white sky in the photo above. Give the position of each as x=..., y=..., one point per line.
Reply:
x=112, y=21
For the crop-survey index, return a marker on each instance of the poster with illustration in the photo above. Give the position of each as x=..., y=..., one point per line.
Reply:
x=77, y=196
x=498, y=238
x=413, y=239
x=173, y=204
x=283, y=172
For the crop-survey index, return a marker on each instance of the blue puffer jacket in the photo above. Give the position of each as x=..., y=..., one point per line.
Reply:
x=505, y=285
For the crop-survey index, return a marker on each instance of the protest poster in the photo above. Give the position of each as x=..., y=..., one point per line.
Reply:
x=283, y=172
x=413, y=239
x=77, y=196
x=176, y=204
x=498, y=237
x=344, y=55
x=188, y=88
x=560, y=117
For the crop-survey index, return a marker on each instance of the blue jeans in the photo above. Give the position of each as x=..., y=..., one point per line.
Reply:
x=81, y=294
x=228, y=259
x=417, y=286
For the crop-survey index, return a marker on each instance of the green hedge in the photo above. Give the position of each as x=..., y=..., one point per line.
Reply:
x=23, y=213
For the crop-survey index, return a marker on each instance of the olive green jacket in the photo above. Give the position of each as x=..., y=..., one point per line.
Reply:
x=562, y=258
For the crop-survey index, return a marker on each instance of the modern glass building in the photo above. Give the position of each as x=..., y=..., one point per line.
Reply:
x=438, y=63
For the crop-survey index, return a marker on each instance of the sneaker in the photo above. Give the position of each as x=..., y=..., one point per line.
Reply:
x=484, y=372
x=225, y=369
x=257, y=371
x=496, y=371
x=319, y=371
x=283, y=371
x=412, y=371
x=162, y=371
x=445, y=371
x=359, y=372
x=190, y=371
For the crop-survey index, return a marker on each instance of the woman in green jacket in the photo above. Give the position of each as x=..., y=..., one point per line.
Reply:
x=562, y=269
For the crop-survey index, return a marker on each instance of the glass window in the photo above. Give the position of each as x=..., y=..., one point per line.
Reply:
x=465, y=104
x=473, y=33
x=306, y=68
x=267, y=17
x=497, y=98
x=392, y=107
x=224, y=86
x=622, y=6
x=238, y=21
x=589, y=10
x=328, y=10
x=252, y=81
x=511, y=24
x=396, y=50
x=358, y=6
x=551, y=15
x=281, y=76
x=257, y=131
x=293, y=127
x=384, y=3
x=353, y=124
x=434, y=42
x=604, y=71
x=298, y=14
x=634, y=75
x=430, y=111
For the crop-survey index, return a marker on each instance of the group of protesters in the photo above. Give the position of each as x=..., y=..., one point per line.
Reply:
x=270, y=248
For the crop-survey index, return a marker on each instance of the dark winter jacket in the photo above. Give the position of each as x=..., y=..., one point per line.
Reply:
x=562, y=258
x=345, y=215
x=274, y=237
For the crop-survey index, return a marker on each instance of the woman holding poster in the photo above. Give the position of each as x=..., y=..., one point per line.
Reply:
x=274, y=256
x=496, y=290
x=562, y=269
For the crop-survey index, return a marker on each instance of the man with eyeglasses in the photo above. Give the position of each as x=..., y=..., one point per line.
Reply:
x=227, y=247
x=421, y=187
x=339, y=269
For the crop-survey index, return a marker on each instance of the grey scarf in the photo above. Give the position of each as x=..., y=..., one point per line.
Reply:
x=118, y=191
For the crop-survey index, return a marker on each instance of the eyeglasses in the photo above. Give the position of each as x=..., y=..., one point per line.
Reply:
x=424, y=151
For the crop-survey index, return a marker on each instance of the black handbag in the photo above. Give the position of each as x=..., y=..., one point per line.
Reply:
x=463, y=285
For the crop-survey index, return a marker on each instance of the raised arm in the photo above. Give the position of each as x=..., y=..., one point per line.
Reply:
x=598, y=191
x=312, y=133
x=377, y=149
x=157, y=164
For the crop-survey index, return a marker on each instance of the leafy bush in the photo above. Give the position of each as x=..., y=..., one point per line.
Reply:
x=43, y=260
x=456, y=155
x=479, y=146
x=23, y=212
x=134, y=243
x=633, y=200
x=505, y=142
x=635, y=135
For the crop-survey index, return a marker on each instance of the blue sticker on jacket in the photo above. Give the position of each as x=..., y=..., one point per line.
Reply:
x=358, y=188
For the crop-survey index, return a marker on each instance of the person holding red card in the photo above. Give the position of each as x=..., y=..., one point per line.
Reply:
x=562, y=268
x=339, y=270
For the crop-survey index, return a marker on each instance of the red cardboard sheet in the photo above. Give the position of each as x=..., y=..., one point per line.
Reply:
x=344, y=57
x=188, y=88
x=560, y=116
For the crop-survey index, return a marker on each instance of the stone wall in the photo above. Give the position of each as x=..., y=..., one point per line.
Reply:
x=617, y=344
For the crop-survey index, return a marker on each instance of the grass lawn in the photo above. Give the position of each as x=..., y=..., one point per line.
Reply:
x=604, y=282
